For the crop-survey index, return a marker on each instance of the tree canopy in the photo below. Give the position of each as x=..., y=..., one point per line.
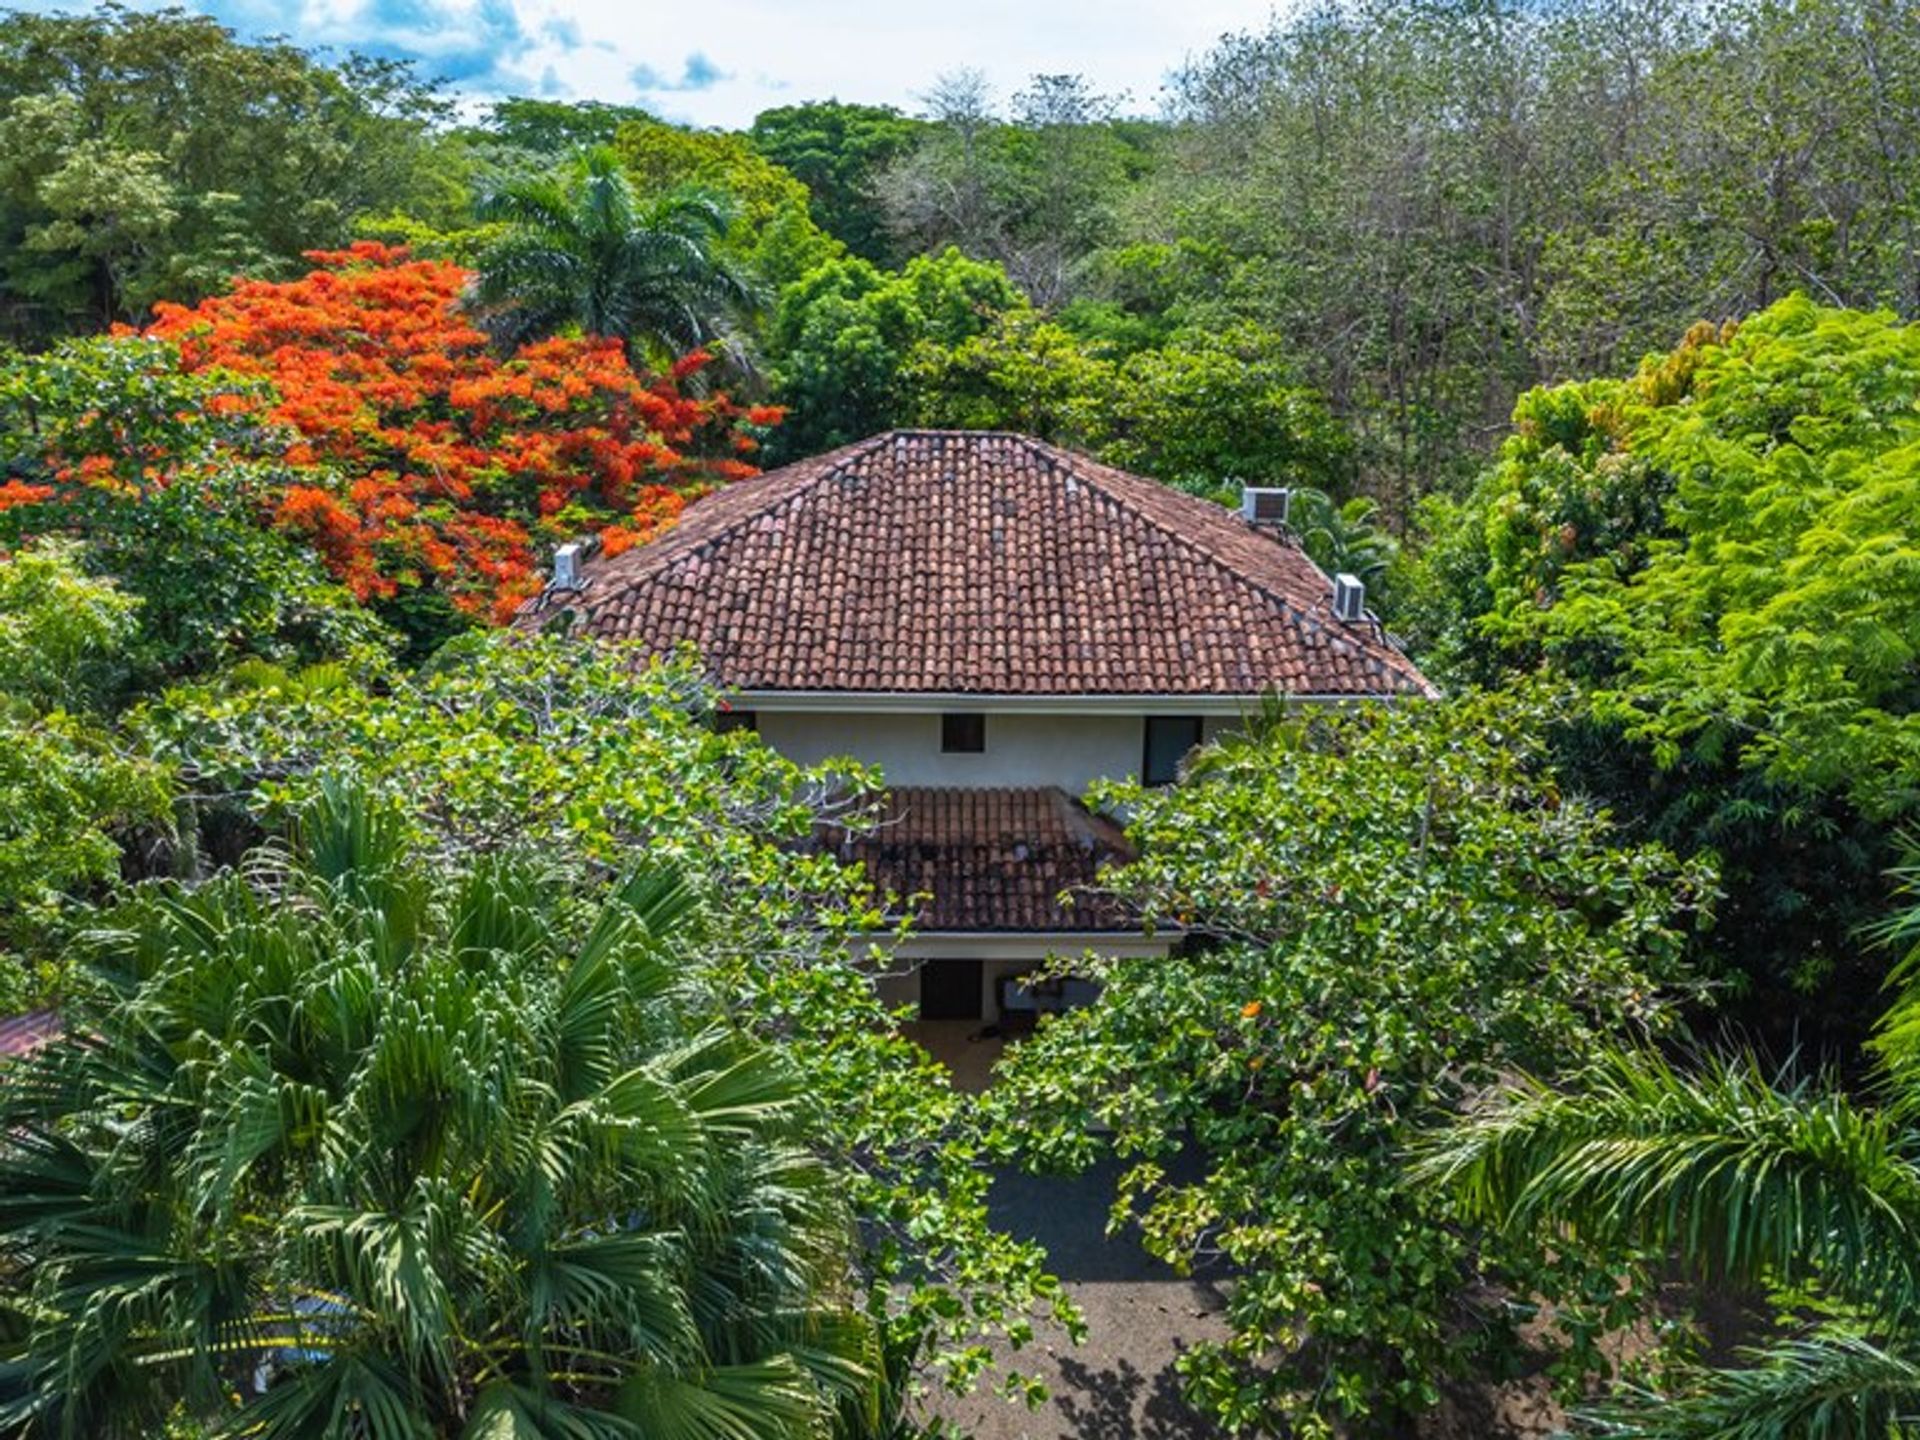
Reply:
x=1584, y=332
x=1384, y=911
x=1717, y=555
x=148, y=157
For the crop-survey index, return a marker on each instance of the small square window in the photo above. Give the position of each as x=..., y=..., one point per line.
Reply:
x=1169, y=739
x=963, y=734
x=728, y=721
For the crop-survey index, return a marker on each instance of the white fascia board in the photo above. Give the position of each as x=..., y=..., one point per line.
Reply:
x=856, y=702
x=1076, y=937
x=1028, y=945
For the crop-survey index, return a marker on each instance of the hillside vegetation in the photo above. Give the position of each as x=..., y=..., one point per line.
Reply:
x=461, y=1041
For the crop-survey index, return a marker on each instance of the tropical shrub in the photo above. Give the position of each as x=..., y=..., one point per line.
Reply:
x=594, y=759
x=1381, y=911
x=347, y=1146
x=68, y=788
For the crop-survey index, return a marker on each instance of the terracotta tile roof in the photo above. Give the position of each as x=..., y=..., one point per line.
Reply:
x=993, y=860
x=947, y=562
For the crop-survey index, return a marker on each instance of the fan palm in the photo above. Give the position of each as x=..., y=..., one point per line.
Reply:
x=587, y=251
x=1745, y=1176
x=347, y=1149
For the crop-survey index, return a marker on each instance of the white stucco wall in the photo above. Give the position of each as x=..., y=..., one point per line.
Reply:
x=1044, y=748
x=1070, y=751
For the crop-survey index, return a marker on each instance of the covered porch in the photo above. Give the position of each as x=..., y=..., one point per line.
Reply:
x=998, y=882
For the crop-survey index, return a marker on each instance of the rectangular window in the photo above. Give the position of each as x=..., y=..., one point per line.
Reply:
x=1169, y=738
x=728, y=721
x=964, y=733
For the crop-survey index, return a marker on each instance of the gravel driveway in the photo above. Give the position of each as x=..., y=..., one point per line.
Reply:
x=1120, y=1384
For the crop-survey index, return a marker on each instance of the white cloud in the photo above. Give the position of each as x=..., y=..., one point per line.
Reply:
x=757, y=53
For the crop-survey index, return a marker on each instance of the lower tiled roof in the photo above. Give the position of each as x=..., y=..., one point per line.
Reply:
x=993, y=860
x=962, y=562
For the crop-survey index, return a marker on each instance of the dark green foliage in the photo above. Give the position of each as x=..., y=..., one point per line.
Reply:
x=586, y=252
x=152, y=156
x=1741, y=1176
x=1384, y=911
x=555, y=129
x=1207, y=411
x=347, y=1145
x=596, y=761
x=839, y=152
x=771, y=234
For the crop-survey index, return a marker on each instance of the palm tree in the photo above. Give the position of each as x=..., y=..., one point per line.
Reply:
x=345, y=1148
x=1343, y=537
x=1743, y=1176
x=587, y=251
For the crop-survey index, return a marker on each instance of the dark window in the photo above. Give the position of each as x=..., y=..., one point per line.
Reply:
x=950, y=989
x=1169, y=738
x=728, y=721
x=963, y=734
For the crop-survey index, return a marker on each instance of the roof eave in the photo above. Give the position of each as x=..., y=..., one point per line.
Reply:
x=912, y=701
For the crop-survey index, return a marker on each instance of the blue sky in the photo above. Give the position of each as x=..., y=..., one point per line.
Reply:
x=719, y=62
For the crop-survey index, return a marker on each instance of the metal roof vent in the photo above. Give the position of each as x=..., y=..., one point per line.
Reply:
x=566, y=567
x=1264, y=507
x=1349, y=597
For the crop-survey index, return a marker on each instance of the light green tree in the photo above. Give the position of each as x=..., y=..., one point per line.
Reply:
x=842, y=341
x=68, y=787
x=1380, y=913
x=1716, y=555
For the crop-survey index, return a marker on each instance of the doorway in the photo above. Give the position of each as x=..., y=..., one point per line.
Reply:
x=950, y=989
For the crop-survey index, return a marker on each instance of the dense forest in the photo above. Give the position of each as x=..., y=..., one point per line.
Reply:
x=392, y=952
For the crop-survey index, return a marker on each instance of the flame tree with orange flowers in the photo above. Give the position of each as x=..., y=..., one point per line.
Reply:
x=357, y=412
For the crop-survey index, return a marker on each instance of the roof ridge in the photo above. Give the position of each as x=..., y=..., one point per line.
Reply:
x=1047, y=451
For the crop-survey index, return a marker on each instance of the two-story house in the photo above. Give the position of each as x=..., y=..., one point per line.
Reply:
x=995, y=622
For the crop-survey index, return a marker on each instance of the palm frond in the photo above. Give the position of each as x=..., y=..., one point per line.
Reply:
x=349, y=1394
x=1738, y=1175
x=541, y=204
x=375, y=1137
x=505, y=1411
x=1819, y=1388
x=590, y=252
x=771, y=1400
